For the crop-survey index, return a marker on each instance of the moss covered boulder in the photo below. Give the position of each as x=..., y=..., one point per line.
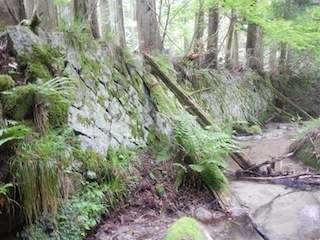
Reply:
x=185, y=228
x=20, y=102
x=6, y=82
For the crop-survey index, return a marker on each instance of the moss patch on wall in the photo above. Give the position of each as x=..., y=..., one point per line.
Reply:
x=44, y=62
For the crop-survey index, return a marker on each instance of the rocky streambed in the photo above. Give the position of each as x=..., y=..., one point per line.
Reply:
x=279, y=210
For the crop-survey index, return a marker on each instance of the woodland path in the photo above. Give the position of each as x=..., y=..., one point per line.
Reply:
x=281, y=211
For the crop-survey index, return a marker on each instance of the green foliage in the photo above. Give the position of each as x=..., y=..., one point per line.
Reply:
x=204, y=145
x=78, y=214
x=308, y=128
x=74, y=216
x=205, y=148
x=37, y=101
x=6, y=82
x=35, y=169
x=184, y=228
x=14, y=133
x=5, y=201
x=78, y=33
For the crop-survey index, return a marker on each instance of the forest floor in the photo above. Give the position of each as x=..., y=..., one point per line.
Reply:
x=149, y=213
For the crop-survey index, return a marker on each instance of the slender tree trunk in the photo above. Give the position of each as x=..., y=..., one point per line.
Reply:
x=48, y=14
x=283, y=55
x=119, y=31
x=103, y=16
x=30, y=6
x=80, y=11
x=272, y=60
x=198, y=36
x=94, y=22
x=228, y=62
x=149, y=36
x=211, y=57
x=251, y=45
x=259, y=50
x=235, y=49
x=12, y=11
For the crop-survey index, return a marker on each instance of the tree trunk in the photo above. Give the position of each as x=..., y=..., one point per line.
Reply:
x=211, y=57
x=272, y=60
x=228, y=62
x=80, y=11
x=12, y=11
x=235, y=50
x=198, y=35
x=211, y=173
x=251, y=45
x=149, y=36
x=48, y=14
x=283, y=56
x=93, y=17
x=117, y=22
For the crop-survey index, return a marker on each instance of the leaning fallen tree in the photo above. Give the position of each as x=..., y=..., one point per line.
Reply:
x=194, y=109
x=211, y=175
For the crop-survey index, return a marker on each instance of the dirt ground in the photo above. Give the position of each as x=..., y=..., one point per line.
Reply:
x=148, y=212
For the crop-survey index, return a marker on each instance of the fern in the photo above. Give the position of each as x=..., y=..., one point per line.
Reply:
x=203, y=145
x=205, y=148
x=13, y=133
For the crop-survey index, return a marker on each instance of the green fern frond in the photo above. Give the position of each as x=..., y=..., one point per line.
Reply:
x=13, y=133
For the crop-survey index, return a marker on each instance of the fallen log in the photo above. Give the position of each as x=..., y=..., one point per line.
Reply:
x=194, y=109
x=284, y=98
x=212, y=174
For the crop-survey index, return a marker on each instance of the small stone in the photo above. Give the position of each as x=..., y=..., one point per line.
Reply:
x=91, y=175
x=203, y=214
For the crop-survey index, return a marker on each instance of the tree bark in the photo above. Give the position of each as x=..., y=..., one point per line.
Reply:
x=211, y=57
x=198, y=35
x=235, y=50
x=149, y=36
x=228, y=62
x=117, y=22
x=251, y=45
x=48, y=14
x=12, y=11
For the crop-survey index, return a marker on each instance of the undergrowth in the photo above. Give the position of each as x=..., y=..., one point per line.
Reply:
x=75, y=215
x=204, y=147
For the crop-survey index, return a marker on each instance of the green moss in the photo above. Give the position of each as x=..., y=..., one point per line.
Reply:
x=101, y=101
x=6, y=82
x=308, y=156
x=151, y=138
x=37, y=70
x=58, y=112
x=184, y=228
x=91, y=161
x=83, y=120
x=42, y=62
x=244, y=128
x=20, y=102
x=112, y=155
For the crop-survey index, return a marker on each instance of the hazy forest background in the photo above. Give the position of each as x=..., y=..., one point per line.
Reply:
x=261, y=35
